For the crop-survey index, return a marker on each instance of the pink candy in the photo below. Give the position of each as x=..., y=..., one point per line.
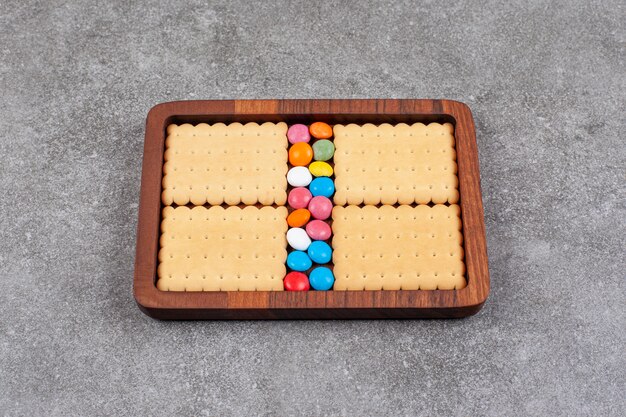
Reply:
x=318, y=230
x=298, y=133
x=320, y=207
x=299, y=197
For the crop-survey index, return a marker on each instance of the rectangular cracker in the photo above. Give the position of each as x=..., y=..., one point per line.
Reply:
x=222, y=249
x=395, y=164
x=231, y=164
x=398, y=248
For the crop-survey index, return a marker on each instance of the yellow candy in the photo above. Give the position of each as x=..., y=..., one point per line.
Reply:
x=320, y=169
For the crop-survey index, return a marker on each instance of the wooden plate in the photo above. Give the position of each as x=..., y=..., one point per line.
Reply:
x=311, y=304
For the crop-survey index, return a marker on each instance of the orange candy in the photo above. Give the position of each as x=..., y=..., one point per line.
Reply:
x=300, y=154
x=298, y=218
x=320, y=130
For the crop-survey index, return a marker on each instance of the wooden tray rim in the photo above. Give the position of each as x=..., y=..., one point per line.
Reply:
x=311, y=304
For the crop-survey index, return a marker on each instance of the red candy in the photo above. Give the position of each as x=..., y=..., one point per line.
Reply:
x=318, y=230
x=320, y=207
x=299, y=197
x=296, y=281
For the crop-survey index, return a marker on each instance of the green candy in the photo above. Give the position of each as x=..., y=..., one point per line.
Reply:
x=323, y=150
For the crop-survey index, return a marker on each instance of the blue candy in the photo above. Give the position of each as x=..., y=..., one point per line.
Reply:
x=298, y=261
x=321, y=278
x=320, y=252
x=323, y=186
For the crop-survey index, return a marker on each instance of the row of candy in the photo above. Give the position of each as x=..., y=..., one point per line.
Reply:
x=313, y=187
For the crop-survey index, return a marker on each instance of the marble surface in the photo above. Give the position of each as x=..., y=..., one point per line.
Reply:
x=546, y=83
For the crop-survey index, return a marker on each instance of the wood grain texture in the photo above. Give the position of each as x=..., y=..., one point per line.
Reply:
x=311, y=304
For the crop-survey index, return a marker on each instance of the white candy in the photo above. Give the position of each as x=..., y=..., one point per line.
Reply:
x=299, y=177
x=298, y=239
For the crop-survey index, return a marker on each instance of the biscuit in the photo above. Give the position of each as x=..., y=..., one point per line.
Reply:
x=395, y=164
x=222, y=249
x=398, y=248
x=229, y=164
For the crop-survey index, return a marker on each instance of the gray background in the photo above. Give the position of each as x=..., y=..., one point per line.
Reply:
x=545, y=81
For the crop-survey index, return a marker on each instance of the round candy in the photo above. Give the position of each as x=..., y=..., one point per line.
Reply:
x=320, y=207
x=318, y=230
x=323, y=150
x=321, y=278
x=321, y=130
x=323, y=186
x=299, y=197
x=298, y=133
x=298, y=261
x=296, y=281
x=300, y=154
x=320, y=252
x=298, y=239
x=298, y=218
x=299, y=177
x=321, y=169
